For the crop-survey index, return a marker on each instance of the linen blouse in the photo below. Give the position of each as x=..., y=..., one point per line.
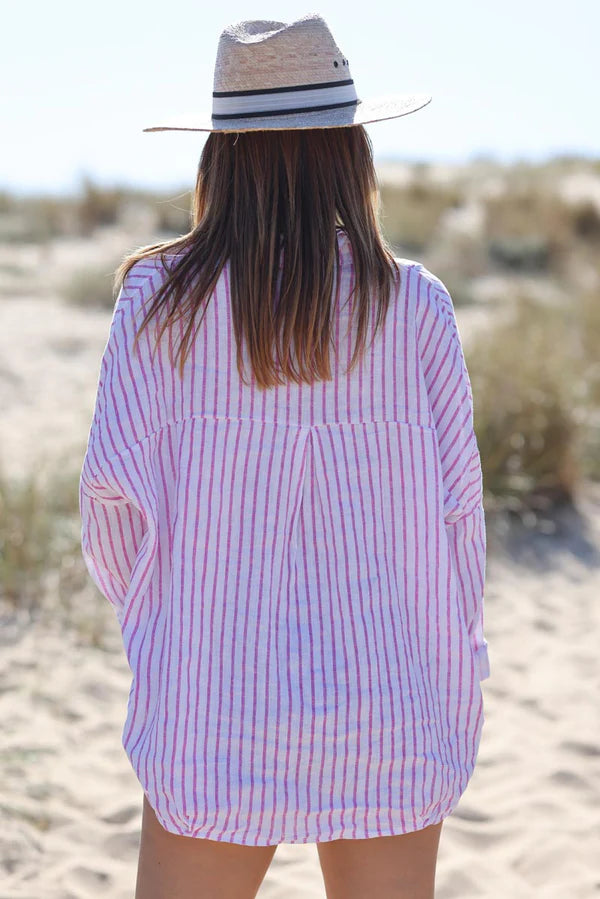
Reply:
x=298, y=574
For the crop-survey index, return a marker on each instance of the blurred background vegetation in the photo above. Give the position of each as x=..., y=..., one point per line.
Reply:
x=518, y=247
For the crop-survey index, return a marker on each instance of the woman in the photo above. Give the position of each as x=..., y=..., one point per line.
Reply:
x=287, y=518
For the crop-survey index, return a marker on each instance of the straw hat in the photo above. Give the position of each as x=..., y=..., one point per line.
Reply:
x=279, y=75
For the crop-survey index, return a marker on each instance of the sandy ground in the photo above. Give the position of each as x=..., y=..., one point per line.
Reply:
x=70, y=806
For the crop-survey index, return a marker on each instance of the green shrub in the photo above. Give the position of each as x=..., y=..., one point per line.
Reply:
x=526, y=390
x=587, y=307
x=90, y=287
x=586, y=222
x=38, y=533
x=98, y=206
x=410, y=213
x=521, y=254
x=35, y=219
x=42, y=572
x=530, y=227
x=174, y=214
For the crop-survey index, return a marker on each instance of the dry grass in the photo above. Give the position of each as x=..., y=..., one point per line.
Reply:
x=532, y=407
x=410, y=213
x=39, y=219
x=90, y=287
x=530, y=226
x=42, y=573
x=587, y=351
x=174, y=214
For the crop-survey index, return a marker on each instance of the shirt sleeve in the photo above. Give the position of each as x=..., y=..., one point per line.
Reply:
x=112, y=533
x=450, y=400
x=115, y=493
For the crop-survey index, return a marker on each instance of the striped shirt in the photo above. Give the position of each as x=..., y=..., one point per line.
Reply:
x=298, y=573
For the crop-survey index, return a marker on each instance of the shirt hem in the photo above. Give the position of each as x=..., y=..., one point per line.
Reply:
x=401, y=824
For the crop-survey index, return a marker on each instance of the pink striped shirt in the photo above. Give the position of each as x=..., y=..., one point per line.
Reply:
x=298, y=574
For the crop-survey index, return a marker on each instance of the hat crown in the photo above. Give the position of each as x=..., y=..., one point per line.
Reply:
x=261, y=54
x=279, y=75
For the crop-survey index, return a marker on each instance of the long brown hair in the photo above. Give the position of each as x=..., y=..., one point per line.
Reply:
x=261, y=193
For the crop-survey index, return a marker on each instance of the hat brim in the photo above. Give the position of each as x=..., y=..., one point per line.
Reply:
x=375, y=109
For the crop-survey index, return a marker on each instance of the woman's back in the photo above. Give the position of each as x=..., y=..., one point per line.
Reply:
x=298, y=571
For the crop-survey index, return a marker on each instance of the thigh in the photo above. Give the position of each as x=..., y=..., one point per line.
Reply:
x=395, y=867
x=171, y=866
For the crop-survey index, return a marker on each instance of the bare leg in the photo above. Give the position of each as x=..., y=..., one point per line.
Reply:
x=171, y=866
x=396, y=867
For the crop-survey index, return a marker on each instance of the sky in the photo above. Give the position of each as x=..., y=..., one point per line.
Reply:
x=513, y=80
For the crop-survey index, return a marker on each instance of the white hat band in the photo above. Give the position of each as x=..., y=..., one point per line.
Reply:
x=282, y=100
